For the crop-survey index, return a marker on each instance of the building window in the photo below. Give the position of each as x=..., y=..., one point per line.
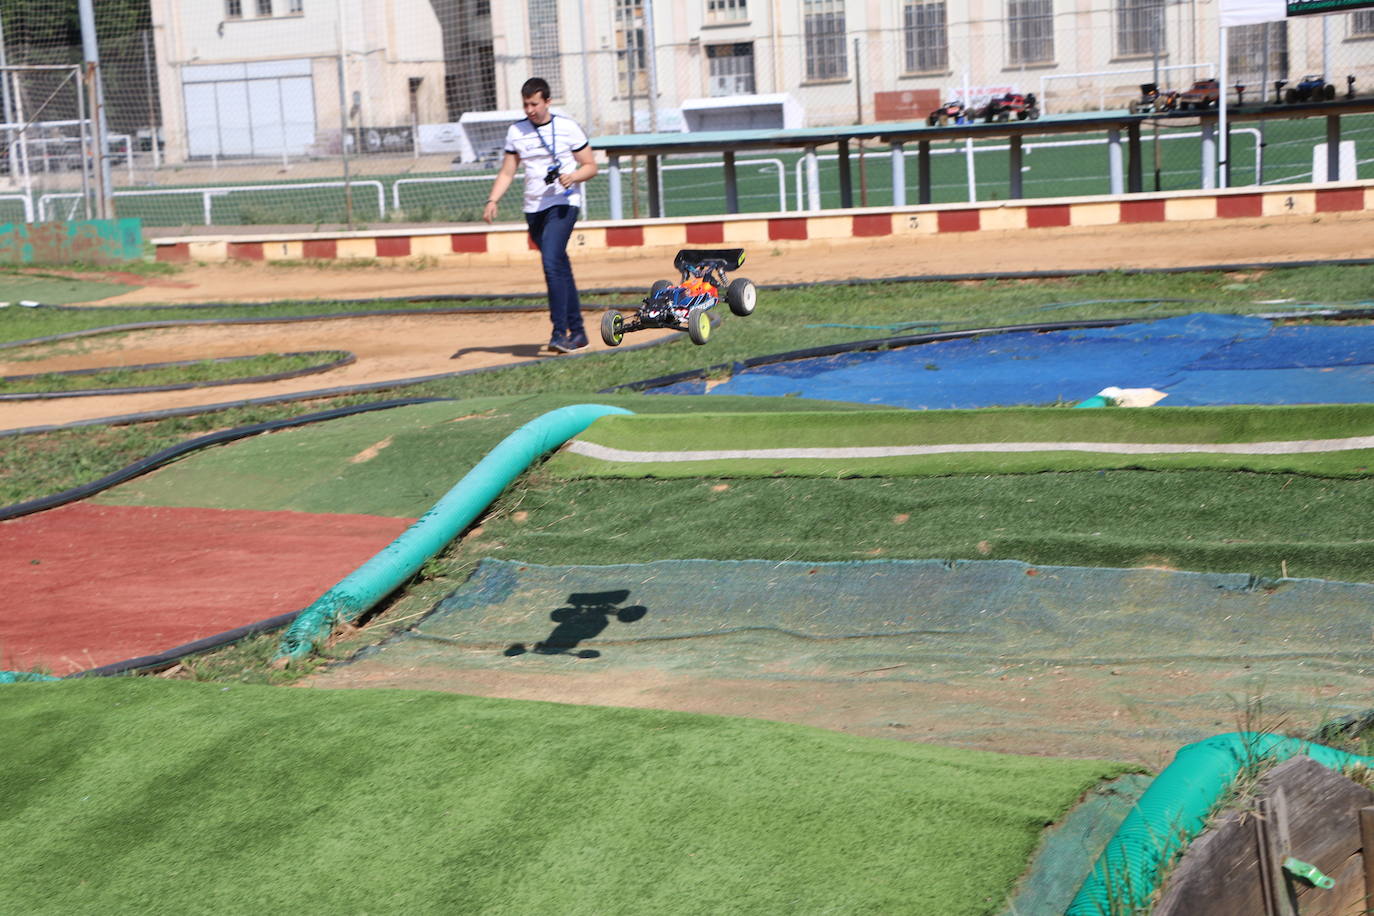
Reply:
x=233, y=9
x=1362, y=24
x=1140, y=28
x=631, y=61
x=1030, y=28
x=719, y=12
x=545, y=59
x=826, y=57
x=264, y=8
x=926, y=35
x=295, y=7
x=731, y=68
x=1258, y=54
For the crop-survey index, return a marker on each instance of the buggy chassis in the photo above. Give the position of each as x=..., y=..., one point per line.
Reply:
x=686, y=305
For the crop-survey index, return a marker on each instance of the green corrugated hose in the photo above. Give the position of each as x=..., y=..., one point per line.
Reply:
x=363, y=588
x=1174, y=809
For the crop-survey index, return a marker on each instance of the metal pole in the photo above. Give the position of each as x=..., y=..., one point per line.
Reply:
x=343, y=119
x=586, y=66
x=653, y=65
x=91, y=52
x=1223, y=152
x=858, y=86
x=84, y=126
x=148, y=87
x=898, y=176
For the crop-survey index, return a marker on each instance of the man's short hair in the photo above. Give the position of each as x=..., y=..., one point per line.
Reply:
x=535, y=86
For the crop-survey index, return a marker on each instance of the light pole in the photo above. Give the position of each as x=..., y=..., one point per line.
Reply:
x=90, y=50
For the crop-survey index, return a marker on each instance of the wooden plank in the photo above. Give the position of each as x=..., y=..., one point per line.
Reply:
x=1220, y=874
x=1367, y=850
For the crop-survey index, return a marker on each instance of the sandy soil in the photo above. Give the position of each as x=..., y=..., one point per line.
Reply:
x=387, y=348
x=1151, y=245
x=394, y=348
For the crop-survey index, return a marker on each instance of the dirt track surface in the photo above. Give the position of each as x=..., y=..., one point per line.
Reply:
x=387, y=348
x=1153, y=245
x=399, y=347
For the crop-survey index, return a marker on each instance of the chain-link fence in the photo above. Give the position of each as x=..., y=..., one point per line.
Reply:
x=344, y=112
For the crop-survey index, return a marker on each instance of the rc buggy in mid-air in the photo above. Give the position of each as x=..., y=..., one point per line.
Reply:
x=686, y=305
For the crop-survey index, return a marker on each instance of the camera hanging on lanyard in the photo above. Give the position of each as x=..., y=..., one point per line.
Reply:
x=549, y=146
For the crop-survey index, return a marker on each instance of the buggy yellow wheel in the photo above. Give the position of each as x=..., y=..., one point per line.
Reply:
x=612, y=328
x=699, y=325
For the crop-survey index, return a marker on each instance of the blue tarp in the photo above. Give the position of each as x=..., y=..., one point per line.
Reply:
x=1196, y=359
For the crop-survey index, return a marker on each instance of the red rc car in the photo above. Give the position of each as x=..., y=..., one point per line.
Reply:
x=686, y=305
x=1012, y=104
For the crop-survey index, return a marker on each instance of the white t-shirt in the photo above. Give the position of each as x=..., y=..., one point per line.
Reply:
x=537, y=148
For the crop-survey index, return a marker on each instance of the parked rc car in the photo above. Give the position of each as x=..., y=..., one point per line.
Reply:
x=686, y=305
x=1012, y=104
x=1311, y=88
x=1202, y=94
x=952, y=112
x=1153, y=99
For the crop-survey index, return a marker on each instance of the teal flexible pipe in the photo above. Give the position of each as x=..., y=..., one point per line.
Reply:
x=23, y=677
x=363, y=588
x=1174, y=809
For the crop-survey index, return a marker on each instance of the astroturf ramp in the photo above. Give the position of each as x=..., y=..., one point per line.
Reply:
x=997, y=440
x=1267, y=525
x=132, y=792
x=392, y=462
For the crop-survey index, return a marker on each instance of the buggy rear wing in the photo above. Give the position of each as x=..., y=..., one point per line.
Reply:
x=719, y=258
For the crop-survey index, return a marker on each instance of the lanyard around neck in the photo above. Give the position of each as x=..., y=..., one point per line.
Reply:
x=553, y=138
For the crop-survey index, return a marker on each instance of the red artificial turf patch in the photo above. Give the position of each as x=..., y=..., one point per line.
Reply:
x=86, y=585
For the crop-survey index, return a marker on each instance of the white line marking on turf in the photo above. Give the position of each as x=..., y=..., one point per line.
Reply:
x=1294, y=447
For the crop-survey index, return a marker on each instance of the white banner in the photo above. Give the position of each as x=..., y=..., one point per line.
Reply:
x=1246, y=12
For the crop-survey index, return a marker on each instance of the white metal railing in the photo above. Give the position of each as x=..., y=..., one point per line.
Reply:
x=1003, y=147
x=209, y=194
x=776, y=163
x=396, y=185
x=1205, y=67
x=24, y=199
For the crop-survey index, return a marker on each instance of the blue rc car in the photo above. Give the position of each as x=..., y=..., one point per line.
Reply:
x=686, y=305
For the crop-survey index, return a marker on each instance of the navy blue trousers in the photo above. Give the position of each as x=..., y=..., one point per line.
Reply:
x=550, y=229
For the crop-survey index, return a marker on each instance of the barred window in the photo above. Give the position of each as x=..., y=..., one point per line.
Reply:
x=295, y=7
x=264, y=7
x=1362, y=23
x=926, y=36
x=545, y=60
x=631, y=60
x=823, y=22
x=731, y=68
x=1246, y=50
x=1030, y=30
x=233, y=9
x=722, y=11
x=1140, y=27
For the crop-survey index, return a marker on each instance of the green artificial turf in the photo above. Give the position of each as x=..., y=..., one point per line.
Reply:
x=36, y=465
x=1267, y=525
x=888, y=428
x=16, y=287
x=396, y=462
x=135, y=794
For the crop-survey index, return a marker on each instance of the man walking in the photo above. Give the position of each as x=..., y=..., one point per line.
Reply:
x=557, y=160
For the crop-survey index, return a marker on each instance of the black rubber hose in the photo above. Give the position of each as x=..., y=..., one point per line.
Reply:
x=167, y=658
x=345, y=360
x=144, y=465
